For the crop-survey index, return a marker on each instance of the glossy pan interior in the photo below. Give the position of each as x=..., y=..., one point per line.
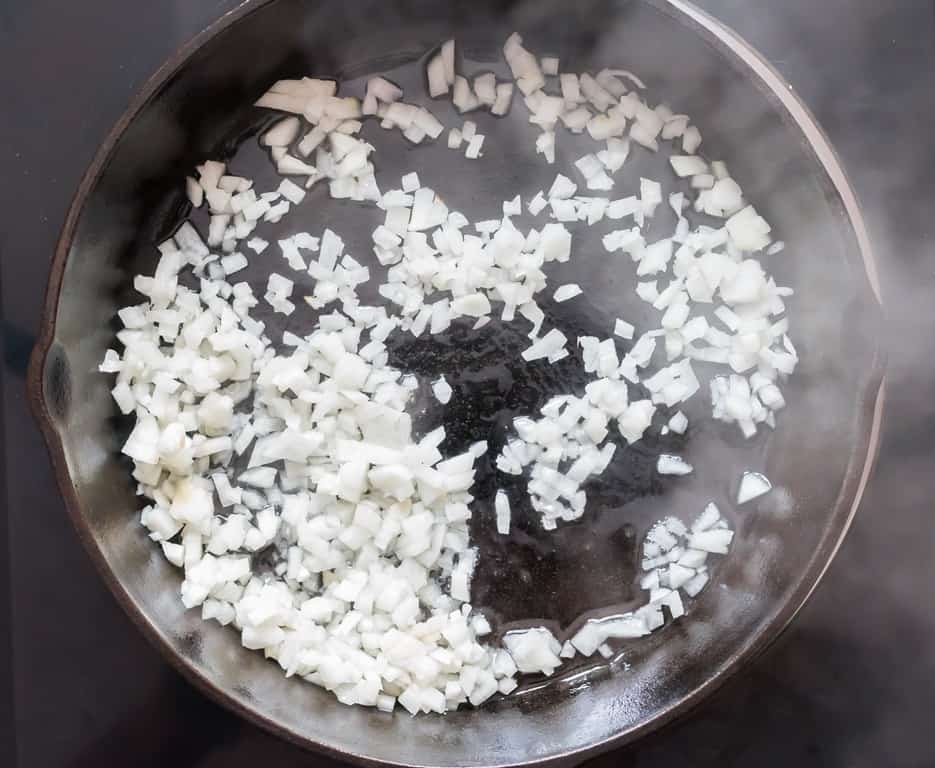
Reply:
x=198, y=106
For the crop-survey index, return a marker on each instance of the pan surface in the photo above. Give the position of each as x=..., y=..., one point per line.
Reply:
x=198, y=106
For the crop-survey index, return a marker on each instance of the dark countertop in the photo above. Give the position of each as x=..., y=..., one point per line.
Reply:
x=852, y=683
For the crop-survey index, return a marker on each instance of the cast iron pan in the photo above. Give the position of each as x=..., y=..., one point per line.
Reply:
x=198, y=106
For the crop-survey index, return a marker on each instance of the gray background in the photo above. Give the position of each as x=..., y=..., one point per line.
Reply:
x=852, y=683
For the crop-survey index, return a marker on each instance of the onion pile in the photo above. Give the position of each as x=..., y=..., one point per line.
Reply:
x=285, y=478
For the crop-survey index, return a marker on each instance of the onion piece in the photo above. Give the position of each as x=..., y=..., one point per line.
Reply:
x=688, y=165
x=283, y=133
x=442, y=390
x=473, y=150
x=485, y=88
x=678, y=423
x=504, y=97
x=195, y=192
x=436, y=73
x=571, y=90
x=691, y=140
x=502, y=506
x=623, y=329
x=549, y=65
x=448, y=60
x=566, y=292
x=673, y=465
x=463, y=97
x=752, y=486
x=549, y=344
x=533, y=650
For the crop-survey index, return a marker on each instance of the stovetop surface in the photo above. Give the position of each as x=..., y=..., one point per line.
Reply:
x=851, y=683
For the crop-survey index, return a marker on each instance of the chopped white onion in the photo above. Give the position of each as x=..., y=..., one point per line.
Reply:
x=566, y=292
x=310, y=451
x=442, y=390
x=673, y=465
x=502, y=506
x=752, y=486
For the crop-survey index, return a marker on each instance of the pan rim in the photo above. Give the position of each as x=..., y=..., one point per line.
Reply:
x=869, y=408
